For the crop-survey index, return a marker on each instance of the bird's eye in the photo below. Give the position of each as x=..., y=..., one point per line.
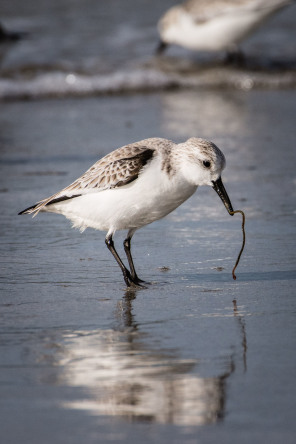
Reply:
x=206, y=163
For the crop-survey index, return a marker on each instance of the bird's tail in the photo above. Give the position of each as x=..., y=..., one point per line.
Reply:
x=39, y=206
x=31, y=210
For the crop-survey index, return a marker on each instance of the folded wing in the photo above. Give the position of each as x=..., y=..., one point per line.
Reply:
x=117, y=169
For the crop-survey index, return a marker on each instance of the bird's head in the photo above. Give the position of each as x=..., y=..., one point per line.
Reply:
x=204, y=165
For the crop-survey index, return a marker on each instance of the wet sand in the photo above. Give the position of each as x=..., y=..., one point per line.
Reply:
x=196, y=357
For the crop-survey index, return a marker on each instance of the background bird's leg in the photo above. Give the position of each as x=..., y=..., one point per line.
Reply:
x=126, y=274
x=127, y=249
x=235, y=56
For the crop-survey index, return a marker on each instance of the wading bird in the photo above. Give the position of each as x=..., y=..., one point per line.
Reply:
x=136, y=185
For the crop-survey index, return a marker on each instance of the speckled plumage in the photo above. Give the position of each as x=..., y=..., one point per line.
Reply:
x=135, y=185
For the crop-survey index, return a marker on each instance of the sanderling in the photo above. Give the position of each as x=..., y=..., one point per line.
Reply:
x=214, y=25
x=135, y=185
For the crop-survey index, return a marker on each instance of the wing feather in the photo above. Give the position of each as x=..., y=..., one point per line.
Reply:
x=204, y=10
x=116, y=169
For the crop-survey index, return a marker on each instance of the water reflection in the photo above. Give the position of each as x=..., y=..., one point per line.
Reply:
x=242, y=328
x=122, y=376
x=124, y=311
x=189, y=113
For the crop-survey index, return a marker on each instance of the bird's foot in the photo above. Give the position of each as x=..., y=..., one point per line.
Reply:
x=139, y=283
x=133, y=281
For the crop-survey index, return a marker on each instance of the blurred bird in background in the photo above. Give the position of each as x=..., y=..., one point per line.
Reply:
x=215, y=25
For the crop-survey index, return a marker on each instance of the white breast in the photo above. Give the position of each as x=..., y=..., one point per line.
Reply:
x=150, y=197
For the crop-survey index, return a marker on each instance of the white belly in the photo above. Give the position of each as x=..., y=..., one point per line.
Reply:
x=152, y=196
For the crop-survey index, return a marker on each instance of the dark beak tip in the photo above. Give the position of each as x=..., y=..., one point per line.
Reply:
x=220, y=190
x=161, y=48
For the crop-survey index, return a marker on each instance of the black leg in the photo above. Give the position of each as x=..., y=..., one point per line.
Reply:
x=236, y=57
x=128, y=278
x=127, y=249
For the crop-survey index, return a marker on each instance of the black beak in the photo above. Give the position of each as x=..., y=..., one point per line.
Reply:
x=220, y=190
x=161, y=47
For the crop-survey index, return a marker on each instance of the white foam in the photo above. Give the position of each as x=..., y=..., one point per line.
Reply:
x=71, y=84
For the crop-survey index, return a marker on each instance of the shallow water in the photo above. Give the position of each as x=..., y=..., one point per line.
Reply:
x=195, y=357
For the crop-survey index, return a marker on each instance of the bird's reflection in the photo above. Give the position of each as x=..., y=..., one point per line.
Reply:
x=124, y=310
x=242, y=328
x=122, y=374
x=182, y=115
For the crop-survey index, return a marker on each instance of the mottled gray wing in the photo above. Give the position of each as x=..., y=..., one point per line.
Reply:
x=204, y=10
x=118, y=168
x=113, y=172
